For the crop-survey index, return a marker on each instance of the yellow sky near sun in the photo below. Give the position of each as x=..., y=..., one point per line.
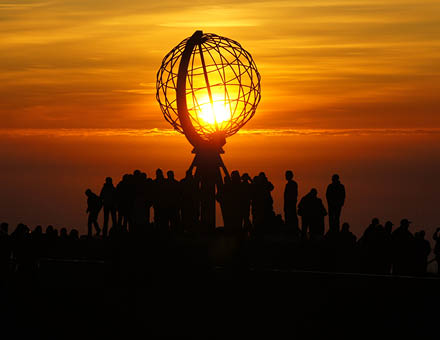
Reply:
x=324, y=64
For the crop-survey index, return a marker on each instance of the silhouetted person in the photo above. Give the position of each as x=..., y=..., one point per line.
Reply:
x=37, y=241
x=37, y=233
x=403, y=249
x=5, y=248
x=422, y=248
x=159, y=201
x=347, y=248
x=388, y=261
x=4, y=229
x=346, y=236
x=50, y=233
x=74, y=235
x=223, y=198
x=93, y=207
x=141, y=198
x=21, y=248
x=123, y=201
x=262, y=202
x=172, y=196
x=290, y=201
x=189, y=201
x=63, y=234
x=149, y=197
x=335, y=200
x=234, y=197
x=108, y=196
x=246, y=184
x=312, y=211
x=371, y=231
x=374, y=248
x=436, y=238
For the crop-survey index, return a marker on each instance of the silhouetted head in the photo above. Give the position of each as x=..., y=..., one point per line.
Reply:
x=136, y=172
x=422, y=234
x=125, y=177
x=21, y=229
x=335, y=178
x=345, y=227
x=170, y=174
x=405, y=223
x=49, y=229
x=74, y=234
x=313, y=192
x=88, y=192
x=289, y=175
x=159, y=174
x=262, y=175
x=245, y=177
x=38, y=229
x=375, y=221
x=235, y=177
x=143, y=175
x=63, y=233
x=388, y=226
x=226, y=180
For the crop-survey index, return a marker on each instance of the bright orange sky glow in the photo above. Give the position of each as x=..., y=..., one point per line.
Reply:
x=324, y=64
x=348, y=86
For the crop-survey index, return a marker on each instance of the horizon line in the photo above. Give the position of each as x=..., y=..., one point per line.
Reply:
x=130, y=132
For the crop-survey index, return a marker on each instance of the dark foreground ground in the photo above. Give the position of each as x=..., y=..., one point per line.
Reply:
x=176, y=290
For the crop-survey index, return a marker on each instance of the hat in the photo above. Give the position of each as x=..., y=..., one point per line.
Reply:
x=405, y=221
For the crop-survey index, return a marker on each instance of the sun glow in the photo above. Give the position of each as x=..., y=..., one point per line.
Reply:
x=216, y=113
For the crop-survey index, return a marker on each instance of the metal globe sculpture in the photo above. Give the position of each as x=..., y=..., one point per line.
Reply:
x=208, y=88
x=222, y=87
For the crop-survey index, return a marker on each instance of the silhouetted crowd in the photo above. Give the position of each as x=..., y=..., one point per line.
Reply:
x=246, y=205
x=163, y=207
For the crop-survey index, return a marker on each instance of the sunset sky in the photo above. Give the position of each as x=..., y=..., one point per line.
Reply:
x=347, y=86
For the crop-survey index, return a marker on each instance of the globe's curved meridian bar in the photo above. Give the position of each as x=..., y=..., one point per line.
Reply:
x=182, y=107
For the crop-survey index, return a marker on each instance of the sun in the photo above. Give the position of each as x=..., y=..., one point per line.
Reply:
x=215, y=113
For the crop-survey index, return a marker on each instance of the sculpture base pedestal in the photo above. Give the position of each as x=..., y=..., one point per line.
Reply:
x=208, y=163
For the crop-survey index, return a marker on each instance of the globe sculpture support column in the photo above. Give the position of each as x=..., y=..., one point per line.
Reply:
x=207, y=160
x=208, y=88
